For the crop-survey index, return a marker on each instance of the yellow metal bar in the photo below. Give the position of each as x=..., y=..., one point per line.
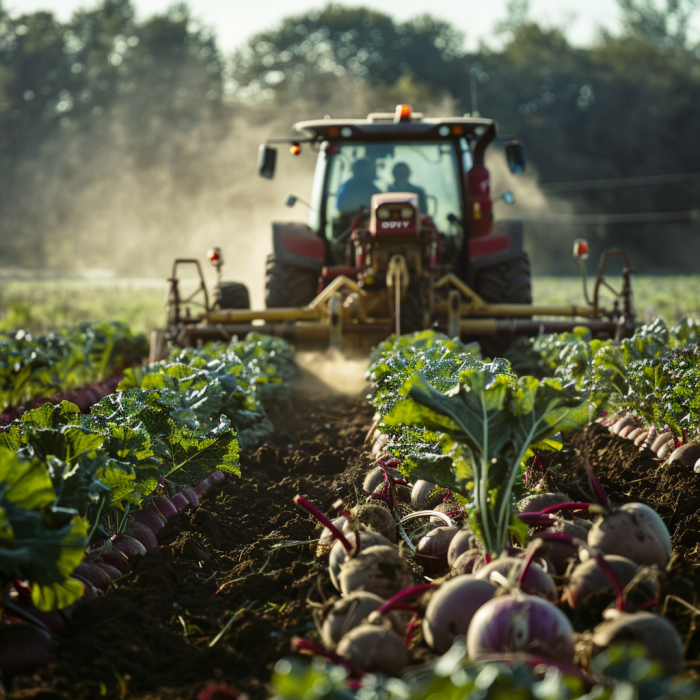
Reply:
x=485, y=326
x=518, y=310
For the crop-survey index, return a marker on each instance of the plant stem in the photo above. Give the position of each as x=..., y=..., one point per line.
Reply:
x=324, y=520
x=406, y=593
x=97, y=520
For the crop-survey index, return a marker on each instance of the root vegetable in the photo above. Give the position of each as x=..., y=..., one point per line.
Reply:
x=420, y=492
x=686, y=454
x=110, y=556
x=635, y=531
x=350, y=611
x=179, y=501
x=512, y=623
x=588, y=579
x=23, y=647
x=641, y=438
x=616, y=427
x=626, y=430
x=164, y=506
x=462, y=542
x=375, y=649
x=93, y=575
x=468, y=562
x=660, y=441
x=375, y=477
x=561, y=554
x=191, y=496
x=375, y=517
x=153, y=522
x=659, y=637
x=431, y=550
x=339, y=552
x=111, y=571
x=540, y=501
x=379, y=569
x=633, y=434
x=128, y=546
x=327, y=538
x=536, y=581
x=451, y=609
x=665, y=449
x=142, y=534
x=216, y=477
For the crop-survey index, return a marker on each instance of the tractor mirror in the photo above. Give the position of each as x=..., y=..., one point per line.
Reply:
x=508, y=197
x=267, y=158
x=515, y=155
x=290, y=201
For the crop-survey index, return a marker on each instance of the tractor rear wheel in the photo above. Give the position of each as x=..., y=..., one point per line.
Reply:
x=231, y=295
x=289, y=285
x=414, y=307
x=505, y=283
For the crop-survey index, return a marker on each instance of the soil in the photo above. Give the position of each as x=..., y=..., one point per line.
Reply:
x=242, y=563
x=244, y=554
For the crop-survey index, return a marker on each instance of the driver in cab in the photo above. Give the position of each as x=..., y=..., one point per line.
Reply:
x=357, y=192
x=402, y=175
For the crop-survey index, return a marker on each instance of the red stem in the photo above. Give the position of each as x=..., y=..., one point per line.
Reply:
x=530, y=555
x=415, y=621
x=565, y=506
x=601, y=495
x=324, y=520
x=536, y=519
x=405, y=593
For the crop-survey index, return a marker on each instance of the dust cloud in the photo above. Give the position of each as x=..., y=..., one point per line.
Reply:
x=332, y=373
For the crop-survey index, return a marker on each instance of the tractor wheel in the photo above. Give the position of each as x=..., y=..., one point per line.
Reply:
x=231, y=295
x=505, y=283
x=288, y=285
x=414, y=308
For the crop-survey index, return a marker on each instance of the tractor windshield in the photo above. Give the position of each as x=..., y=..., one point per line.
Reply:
x=357, y=171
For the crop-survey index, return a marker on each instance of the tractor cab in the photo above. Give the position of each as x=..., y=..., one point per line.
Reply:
x=437, y=163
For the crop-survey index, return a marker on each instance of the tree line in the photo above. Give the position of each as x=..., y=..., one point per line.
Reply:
x=115, y=127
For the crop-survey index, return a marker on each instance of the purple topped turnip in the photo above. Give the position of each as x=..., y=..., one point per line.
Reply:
x=518, y=623
x=153, y=522
x=535, y=581
x=143, y=534
x=462, y=542
x=128, y=546
x=191, y=496
x=164, y=506
x=451, y=609
x=686, y=454
x=375, y=478
x=539, y=501
x=431, y=550
x=375, y=517
x=656, y=634
x=635, y=531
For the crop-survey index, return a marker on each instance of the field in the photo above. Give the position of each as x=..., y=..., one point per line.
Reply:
x=42, y=304
x=233, y=582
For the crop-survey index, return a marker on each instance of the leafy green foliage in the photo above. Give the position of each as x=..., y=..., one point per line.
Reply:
x=32, y=367
x=453, y=677
x=38, y=541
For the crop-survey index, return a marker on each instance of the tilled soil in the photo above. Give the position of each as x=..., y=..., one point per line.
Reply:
x=152, y=636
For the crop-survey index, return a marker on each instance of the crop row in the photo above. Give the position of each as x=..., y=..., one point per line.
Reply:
x=82, y=495
x=521, y=590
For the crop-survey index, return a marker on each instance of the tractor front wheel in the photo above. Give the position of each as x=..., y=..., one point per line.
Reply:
x=289, y=285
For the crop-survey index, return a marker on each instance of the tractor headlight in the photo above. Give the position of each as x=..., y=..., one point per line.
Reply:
x=406, y=212
x=383, y=213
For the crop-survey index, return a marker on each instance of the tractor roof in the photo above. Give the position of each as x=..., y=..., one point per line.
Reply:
x=384, y=126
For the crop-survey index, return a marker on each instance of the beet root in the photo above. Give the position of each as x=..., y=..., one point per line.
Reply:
x=536, y=582
x=375, y=478
x=24, y=647
x=462, y=542
x=327, y=538
x=451, y=609
x=153, y=522
x=374, y=648
x=191, y=496
x=561, y=554
x=164, y=506
x=431, y=550
x=375, y=517
x=657, y=635
x=686, y=454
x=540, y=501
x=508, y=624
x=128, y=546
x=142, y=534
x=634, y=531
x=348, y=612
x=379, y=569
x=93, y=575
x=339, y=554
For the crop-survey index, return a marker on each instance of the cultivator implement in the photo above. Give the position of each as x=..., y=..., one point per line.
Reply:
x=346, y=316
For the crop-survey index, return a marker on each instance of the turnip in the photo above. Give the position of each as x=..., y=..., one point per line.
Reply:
x=128, y=546
x=468, y=562
x=450, y=508
x=661, y=440
x=519, y=623
x=153, y=522
x=143, y=534
x=216, y=477
x=462, y=542
x=348, y=612
x=641, y=438
x=202, y=486
x=112, y=572
x=191, y=496
x=110, y=556
x=562, y=554
x=327, y=538
x=589, y=579
x=374, y=516
x=93, y=575
x=23, y=647
x=686, y=454
x=635, y=531
x=539, y=501
x=375, y=478
x=431, y=550
x=535, y=581
x=656, y=634
x=618, y=425
x=164, y=506
x=633, y=434
x=451, y=609
x=666, y=449
x=375, y=649
x=378, y=569
x=179, y=501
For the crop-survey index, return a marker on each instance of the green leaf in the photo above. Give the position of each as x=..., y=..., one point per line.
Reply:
x=56, y=596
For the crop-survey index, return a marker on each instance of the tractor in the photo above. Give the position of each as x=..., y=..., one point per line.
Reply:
x=401, y=237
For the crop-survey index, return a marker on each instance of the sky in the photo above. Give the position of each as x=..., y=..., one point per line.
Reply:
x=234, y=21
